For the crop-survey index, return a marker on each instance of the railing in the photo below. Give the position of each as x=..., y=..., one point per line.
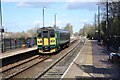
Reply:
x=17, y=43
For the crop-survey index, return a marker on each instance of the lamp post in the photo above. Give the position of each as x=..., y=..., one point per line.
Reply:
x=2, y=29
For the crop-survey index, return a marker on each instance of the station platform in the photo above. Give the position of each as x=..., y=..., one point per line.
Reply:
x=92, y=63
x=16, y=52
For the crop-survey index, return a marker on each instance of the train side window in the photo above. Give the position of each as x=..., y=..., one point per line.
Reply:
x=52, y=34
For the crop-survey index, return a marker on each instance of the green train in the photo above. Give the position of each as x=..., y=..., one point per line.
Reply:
x=50, y=40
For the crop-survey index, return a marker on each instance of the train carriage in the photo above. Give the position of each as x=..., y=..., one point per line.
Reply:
x=50, y=40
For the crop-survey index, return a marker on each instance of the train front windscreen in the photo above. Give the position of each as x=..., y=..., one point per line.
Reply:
x=45, y=34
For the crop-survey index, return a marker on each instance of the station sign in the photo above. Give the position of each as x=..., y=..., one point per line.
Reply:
x=1, y=30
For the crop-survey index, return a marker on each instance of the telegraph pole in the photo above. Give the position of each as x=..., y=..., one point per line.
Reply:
x=107, y=27
x=107, y=21
x=2, y=29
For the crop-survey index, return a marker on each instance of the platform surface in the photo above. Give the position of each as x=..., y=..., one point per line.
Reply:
x=17, y=51
x=92, y=62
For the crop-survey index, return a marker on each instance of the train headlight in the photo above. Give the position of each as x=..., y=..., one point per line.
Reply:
x=40, y=41
x=52, y=41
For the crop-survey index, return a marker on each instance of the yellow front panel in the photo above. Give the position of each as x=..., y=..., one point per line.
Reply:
x=52, y=43
x=53, y=50
x=39, y=41
x=45, y=41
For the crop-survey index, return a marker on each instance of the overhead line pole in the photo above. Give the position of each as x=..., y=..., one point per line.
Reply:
x=55, y=19
x=84, y=30
x=43, y=17
x=95, y=27
x=95, y=21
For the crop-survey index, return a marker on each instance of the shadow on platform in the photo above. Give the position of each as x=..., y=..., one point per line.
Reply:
x=94, y=78
x=90, y=69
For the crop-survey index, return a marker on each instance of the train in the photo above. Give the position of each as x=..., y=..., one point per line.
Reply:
x=50, y=40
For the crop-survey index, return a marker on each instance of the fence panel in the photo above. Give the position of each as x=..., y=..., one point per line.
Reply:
x=7, y=44
x=22, y=41
x=17, y=43
x=35, y=41
x=13, y=44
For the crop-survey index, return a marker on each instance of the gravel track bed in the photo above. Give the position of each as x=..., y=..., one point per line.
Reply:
x=19, y=68
x=10, y=66
x=39, y=68
x=58, y=69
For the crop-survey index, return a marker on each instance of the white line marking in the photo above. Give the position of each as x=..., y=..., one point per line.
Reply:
x=72, y=62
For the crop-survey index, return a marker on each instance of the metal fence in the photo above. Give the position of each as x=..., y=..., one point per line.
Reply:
x=18, y=42
x=115, y=42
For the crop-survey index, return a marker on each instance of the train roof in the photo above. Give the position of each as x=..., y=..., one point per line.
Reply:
x=51, y=28
x=62, y=30
x=46, y=28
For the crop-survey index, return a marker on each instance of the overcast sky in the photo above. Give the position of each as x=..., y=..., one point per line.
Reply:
x=21, y=16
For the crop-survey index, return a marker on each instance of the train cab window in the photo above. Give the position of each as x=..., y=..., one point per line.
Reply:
x=52, y=34
x=45, y=34
x=39, y=34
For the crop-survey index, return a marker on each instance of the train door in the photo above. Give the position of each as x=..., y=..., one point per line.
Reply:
x=46, y=40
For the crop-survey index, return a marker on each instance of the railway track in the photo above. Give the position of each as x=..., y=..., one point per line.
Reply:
x=10, y=72
x=21, y=66
x=57, y=69
x=41, y=68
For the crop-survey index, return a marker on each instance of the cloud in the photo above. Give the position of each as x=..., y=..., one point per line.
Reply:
x=40, y=23
x=37, y=23
x=57, y=0
x=23, y=4
x=30, y=0
x=82, y=0
x=34, y=4
x=59, y=23
x=62, y=23
x=82, y=5
x=84, y=21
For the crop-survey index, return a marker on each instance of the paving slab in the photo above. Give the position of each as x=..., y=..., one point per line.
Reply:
x=92, y=62
x=16, y=52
